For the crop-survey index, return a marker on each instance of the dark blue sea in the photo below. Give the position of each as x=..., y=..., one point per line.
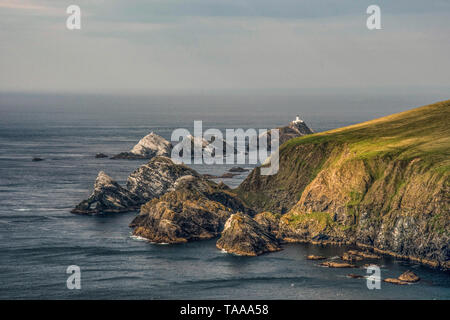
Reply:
x=39, y=238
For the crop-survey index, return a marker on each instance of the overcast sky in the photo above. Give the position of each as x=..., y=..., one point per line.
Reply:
x=147, y=46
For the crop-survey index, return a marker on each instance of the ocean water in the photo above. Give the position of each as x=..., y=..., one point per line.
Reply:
x=39, y=238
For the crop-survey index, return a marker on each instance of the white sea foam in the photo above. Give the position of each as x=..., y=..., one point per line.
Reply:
x=138, y=238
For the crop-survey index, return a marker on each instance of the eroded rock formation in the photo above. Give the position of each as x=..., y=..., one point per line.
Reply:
x=195, y=209
x=244, y=236
x=108, y=196
x=150, y=146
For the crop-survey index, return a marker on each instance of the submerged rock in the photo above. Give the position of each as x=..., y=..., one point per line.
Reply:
x=244, y=236
x=355, y=276
x=363, y=254
x=36, y=159
x=101, y=155
x=332, y=264
x=314, y=257
x=394, y=281
x=128, y=156
x=405, y=278
x=108, y=196
x=409, y=276
x=226, y=175
x=194, y=209
x=238, y=169
x=351, y=257
x=150, y=146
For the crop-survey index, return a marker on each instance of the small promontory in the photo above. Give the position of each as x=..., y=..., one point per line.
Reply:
x=244, y=236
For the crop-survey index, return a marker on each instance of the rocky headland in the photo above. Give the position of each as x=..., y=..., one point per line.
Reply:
x=381, y=185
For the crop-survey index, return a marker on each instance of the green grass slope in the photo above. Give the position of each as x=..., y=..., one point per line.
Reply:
x=422, y=133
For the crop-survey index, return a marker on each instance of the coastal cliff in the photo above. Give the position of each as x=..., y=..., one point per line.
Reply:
x=382, y=184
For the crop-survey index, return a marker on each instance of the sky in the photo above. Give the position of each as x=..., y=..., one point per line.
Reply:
x=158, y=46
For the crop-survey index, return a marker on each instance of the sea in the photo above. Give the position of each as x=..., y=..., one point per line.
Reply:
x=40, y=238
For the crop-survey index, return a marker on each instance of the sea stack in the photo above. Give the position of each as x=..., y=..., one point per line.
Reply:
x=108, y=196
x=244, y=236
x=150, y=146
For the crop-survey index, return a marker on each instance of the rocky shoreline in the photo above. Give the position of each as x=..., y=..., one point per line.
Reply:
x=327, y=192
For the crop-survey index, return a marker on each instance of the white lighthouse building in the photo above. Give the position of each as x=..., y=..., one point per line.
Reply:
x=297, y=119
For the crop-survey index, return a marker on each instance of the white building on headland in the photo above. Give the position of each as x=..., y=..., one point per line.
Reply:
x=297, y=119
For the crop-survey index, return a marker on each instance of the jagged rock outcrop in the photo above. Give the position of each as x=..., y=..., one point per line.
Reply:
x=269, y=222
x=156, y=177
x=100, y=156
x=382, y=185
x=333, y=264
x=195, y=209
x=108, y=196
x=238, y=169
x=409, y=276
x=405, y=278
x=150, y=146
x=294, y=129
x=149, y=181
x=244, y=236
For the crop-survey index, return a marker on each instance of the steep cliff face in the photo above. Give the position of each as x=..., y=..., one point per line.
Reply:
x=384, y=183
